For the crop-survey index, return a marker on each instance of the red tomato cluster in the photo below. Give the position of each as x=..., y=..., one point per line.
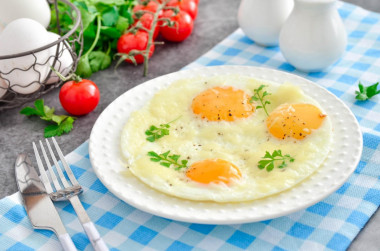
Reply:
x=137, y=41
x=81, y=96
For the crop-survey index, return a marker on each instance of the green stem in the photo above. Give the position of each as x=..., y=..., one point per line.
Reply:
x=72, y=76
x=174, y=120
x=99, y=25
x=150, y=35
x=262, y=104
x=283, y=158
x=109, y=49
x=170, y=161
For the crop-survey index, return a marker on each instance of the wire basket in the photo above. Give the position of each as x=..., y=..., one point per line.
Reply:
x=63, y=55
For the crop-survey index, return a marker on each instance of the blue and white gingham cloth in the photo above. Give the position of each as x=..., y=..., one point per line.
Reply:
x=330, y=224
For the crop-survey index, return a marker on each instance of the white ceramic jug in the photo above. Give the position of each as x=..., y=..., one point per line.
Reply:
x=261, y=20
x=313, y=37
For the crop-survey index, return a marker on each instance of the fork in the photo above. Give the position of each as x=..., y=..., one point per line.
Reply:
x=68, y=191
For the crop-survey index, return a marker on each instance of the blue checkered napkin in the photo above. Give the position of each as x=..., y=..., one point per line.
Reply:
x=330, y=224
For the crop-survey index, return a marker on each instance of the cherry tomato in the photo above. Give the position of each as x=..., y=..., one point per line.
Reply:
x=146, y=21
x=152, y=6
x=134, y=41
x=190, y=6
x=79, y=98
x=182, y=28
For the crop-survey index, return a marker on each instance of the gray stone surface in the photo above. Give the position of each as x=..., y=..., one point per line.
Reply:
x=216, y=20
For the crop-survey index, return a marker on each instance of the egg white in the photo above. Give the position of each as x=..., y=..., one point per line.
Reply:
x=242, y=142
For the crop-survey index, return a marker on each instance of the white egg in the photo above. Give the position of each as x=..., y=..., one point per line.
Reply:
x=37, y=10
x=65, y=61
x=22, y=73
x=241, y=142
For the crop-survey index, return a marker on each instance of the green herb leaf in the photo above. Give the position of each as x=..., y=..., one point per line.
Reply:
x=38, y=110
x=122, y=24
x=258, y=96
x=268, y=161
x=67, y=124
x=165, y=154
x=57, y=118
x=368, y=92
x=165, y=164
x=153, y=154
x=110, y=32
x=175, y=157
x=89, y=34
x=86, y=16
x=276, y=153
x=99, y=60
x=270, y=166
x=62, y=123
x=151, y=138
x=267, y=155
x=110, y=16
x=39, y=104
x=52, y=130
x=49, y=113
x=29, y=111
x=283, y=164
x=84, y=67
x=167, y=160
x=57, y=130
x=184, y=162
x=263, y=163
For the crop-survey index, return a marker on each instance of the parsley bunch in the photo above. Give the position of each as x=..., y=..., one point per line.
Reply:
x=269, y=160
x=104, y=21
x=366, y=92
x=62, y=123
x=155, y=132
x=168, y=160
x=259, y=96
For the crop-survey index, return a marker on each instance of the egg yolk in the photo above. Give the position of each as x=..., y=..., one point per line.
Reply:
x=213, y=171
x=294, y=120
x=222, y=103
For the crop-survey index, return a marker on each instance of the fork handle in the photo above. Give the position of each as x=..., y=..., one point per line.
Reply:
x=66, y=242
x=93, y=235
x=89, y=227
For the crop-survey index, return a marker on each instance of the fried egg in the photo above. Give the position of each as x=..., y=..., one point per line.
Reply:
x=221, y=135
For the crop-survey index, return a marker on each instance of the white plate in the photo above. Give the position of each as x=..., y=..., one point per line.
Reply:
x=107, y=161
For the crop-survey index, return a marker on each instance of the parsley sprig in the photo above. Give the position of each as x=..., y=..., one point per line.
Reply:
x=62, y=123
x=154, y=133
x=269, y=160
x=259, y=96
x=168, y=160
x=366, y=92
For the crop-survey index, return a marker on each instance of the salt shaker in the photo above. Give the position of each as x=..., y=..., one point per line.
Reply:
x=261, y=20
x=313, y=37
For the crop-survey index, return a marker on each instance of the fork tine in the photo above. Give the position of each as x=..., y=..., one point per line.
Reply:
x=44, y=177
x=64, y=163
x=58, y=167
x=50, y=169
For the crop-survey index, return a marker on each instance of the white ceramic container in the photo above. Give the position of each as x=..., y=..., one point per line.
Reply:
x=313, y=37
x=261, y=20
